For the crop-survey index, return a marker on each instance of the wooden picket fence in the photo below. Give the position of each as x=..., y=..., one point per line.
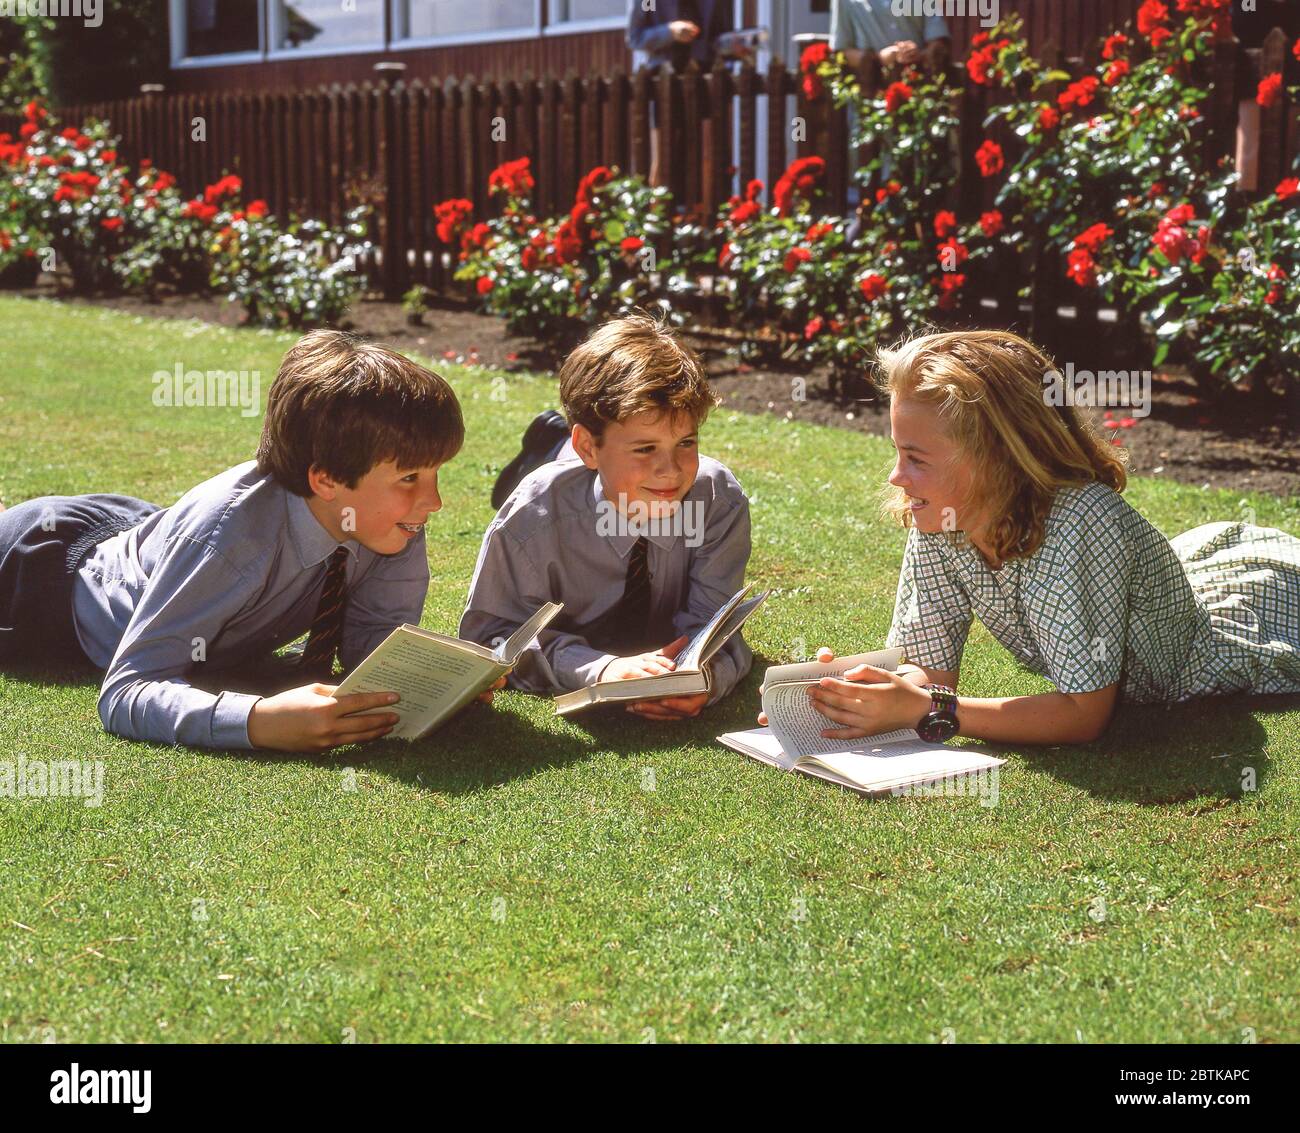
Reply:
x=404, y=147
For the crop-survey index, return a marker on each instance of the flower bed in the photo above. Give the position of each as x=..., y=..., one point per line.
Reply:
x=66, y=198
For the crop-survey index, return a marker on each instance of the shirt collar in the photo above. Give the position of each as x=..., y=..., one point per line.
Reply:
x=311, y=542
x=624, y=542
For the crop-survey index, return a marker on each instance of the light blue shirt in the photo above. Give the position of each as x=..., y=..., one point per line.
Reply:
x=872, y=24
x=229, y=573
x=546, y=545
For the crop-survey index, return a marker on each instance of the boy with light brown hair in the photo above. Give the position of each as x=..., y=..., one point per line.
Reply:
x=638, y=535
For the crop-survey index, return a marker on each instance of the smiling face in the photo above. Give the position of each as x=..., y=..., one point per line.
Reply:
x=647, y=463
x=930, y=468
x=384, y=512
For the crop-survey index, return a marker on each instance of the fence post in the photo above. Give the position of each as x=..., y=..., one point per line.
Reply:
x=1272, y=119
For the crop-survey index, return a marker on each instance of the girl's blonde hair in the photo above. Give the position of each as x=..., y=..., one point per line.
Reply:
x=990, y=389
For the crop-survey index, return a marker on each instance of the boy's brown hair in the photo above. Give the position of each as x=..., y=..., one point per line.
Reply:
x=632, y=365
x=347, y=405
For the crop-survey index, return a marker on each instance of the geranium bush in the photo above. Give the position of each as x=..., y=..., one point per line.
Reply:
x=66, y=190
x=550, y=276
x=1116, y=178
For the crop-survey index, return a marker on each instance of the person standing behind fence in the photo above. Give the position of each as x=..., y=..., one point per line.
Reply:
x=674, y=32
x=858, y=26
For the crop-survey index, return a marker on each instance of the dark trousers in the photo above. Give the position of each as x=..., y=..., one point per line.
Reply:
x=42, y=544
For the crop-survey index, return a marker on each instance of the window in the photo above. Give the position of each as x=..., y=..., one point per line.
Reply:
x=576, y=11
x=328, y=24
x=220, y=27
x=436, y=19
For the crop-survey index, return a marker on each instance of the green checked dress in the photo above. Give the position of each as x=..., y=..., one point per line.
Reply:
x=1108, y=598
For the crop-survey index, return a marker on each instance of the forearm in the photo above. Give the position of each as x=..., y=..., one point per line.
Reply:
x=1045, y=718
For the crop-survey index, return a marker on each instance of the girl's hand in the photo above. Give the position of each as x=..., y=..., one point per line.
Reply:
x=824, y=656
x=684, y=31
x=869, y=701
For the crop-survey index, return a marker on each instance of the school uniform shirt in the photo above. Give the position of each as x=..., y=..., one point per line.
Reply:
x=871, y=24
x=549, y=543
x=227, y=574
x=1107, y=598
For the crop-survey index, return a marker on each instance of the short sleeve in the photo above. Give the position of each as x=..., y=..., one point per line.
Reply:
x=932, y=610
x=1077, y=598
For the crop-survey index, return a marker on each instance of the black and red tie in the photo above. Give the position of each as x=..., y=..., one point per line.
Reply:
x=327, y=626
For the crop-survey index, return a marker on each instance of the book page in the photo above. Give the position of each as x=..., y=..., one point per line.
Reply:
x=509, y=650
x=798, y=725
x=691, y=656
x=730, y=625
x=432, y=680
x=881, y=767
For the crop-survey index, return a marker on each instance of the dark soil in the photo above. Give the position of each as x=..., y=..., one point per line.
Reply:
x=1237, y=444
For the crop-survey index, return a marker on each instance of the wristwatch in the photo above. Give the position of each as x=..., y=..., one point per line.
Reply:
x=940, y=723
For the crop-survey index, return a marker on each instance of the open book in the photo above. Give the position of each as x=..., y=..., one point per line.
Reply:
x=873, y=765
x=437, y=676
x=691, y=676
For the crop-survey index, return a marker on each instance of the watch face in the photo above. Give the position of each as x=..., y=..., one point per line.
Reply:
x=937, y=729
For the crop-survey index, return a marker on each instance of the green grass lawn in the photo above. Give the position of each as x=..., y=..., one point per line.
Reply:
x=520, y=877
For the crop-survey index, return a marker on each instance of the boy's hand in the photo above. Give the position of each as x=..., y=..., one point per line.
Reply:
x=684, y=31
x=904, y=51
x=310, y=719
x=824, y=656
x=486, y=697
x=670, y=707
x=645, y=665
x=651, y=665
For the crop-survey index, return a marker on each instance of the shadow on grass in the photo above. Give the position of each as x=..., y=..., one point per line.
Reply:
x=1157, y=754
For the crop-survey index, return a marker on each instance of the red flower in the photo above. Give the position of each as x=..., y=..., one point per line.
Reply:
x=1276, y=272
x=476, y=237
x=989, y=158
x=1151, y=15
x=949, y=286
x=1048, y=117
x=26, y=130
x=945, y=224
x=109, y=155
x=1082, y=268
x=69, y=133
x=599, y=176
x=1171, y=237
x=33, y=111
x=631, y=244
x=814, y=327
x=744, y=212
x=166, y=181
x=797, y=181
x=451, y=215
x=514, y=178
x=112, y=223
x=817, y=231
x=873, y=287
x=1288, y=188
x=1270, y=91
x=1091, y=239
x=896, y=95
x=485, y=284
x=991, y=222
x=1274, y=296
x=1116, y=71
x=891, y=189
x=796, y=256
x=199, y=210
x=568, y=243
x=952, y=252
x=528, y=257
x=82, y=142
x=1114, y=45
x=255, y=208
x=1079, y=94
x=812, y=58
x=227, y=186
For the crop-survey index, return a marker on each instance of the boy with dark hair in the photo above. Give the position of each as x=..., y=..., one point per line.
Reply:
x=324, y=532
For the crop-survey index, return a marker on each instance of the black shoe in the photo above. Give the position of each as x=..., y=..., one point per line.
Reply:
x=543, y=440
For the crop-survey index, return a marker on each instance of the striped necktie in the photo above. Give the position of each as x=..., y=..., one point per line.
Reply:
x=327, y=625
x=631, y=617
